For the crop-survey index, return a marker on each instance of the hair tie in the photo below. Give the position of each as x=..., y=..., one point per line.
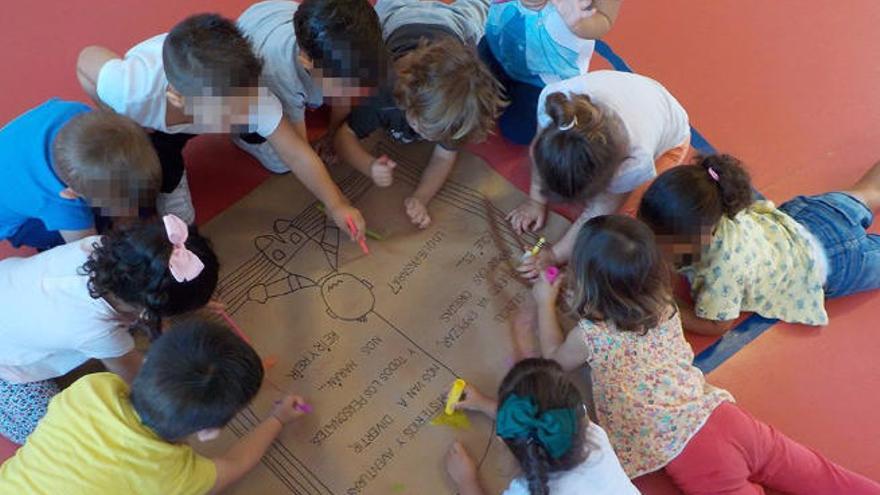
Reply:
x=555, y=429
x=570, y=125
x=183, y=263
x=712, y=173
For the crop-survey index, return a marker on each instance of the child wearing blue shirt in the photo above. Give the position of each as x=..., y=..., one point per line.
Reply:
x=531, y=43
x=61, y=160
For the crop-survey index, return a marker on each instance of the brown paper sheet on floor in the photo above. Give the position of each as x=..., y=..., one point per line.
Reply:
x=373, y=342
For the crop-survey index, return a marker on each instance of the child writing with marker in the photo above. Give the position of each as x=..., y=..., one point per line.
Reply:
x=532, y=43
x=542, y=419
x=657, y=407
x=746, y=255
x=102, y=435
x=603, y=135
x=203, y=77
x=80, y=301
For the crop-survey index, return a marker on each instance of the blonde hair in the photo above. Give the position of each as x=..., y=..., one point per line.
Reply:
x=448, y=91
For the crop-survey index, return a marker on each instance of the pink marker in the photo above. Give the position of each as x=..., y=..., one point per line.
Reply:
x=305, y=408
x=552, y=272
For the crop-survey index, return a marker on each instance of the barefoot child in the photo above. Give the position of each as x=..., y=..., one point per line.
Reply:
x=532, y=43
x=79, y=301
x=602, y=136
x=746, y=255
x=63, y=164
x=203, y=77
x=542, y=420
x=441, y=93
x=657, y=407
x=103, y=436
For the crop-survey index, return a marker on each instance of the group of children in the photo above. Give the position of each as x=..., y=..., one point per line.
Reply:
x=103, y=194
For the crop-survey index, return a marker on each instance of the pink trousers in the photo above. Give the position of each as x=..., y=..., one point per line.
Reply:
x=735, y=454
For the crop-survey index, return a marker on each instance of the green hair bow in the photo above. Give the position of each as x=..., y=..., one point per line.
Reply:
x=555, y=428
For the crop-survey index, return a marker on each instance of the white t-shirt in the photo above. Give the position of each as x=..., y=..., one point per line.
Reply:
x=653, y=119
x=269, y=26
x=135, y=86
x=600, y=474
x=52, y=324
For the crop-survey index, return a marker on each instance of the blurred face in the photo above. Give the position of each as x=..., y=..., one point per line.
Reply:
x=684, y=251
x=340, y=90
x=232, y=112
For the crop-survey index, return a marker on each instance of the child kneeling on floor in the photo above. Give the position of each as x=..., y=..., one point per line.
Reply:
x=81, y=301
x=657, y=407
x=102, y=436
x=543, y=421
x=745, y=255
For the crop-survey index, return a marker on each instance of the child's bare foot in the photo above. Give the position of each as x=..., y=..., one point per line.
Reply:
x=868, y=188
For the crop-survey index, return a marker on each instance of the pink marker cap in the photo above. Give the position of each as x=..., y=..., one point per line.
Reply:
x=552, y=272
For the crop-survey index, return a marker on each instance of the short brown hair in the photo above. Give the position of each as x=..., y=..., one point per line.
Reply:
x=578, y=154
x=445, y=87
x=107, y=159
x=208, y=51
x=619, y=274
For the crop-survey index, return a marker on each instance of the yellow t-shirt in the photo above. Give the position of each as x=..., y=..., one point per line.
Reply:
x=760, y=261
x=91, y=442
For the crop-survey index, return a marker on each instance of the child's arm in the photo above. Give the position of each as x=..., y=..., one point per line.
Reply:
x=296, y=152
x=126, y=366
x=531, y=215
x=693, y=323
x=88, y=66
x=439, y=167
x=588, y=19
x=248, y=451
x=569, y=352
x=474, y=400
x=463, y=470
x=349, y=148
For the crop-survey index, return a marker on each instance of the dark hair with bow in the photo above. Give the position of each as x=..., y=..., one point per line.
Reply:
x=541, y=418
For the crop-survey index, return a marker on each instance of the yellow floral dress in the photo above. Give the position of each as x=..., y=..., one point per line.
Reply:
x=648, y=395
x=760, y=261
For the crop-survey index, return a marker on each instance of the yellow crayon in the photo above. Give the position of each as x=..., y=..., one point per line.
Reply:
x=454, y=395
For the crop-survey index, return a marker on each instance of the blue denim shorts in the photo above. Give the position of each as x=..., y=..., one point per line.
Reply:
x=840, y=222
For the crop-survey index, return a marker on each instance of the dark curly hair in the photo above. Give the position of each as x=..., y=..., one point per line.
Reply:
x=132, y=265
x=686, y=200
x=549, y=385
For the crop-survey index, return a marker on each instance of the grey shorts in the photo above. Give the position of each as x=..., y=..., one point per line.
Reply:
x=466, y=18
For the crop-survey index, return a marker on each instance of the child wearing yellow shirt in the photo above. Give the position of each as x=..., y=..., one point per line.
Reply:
x=100, y=437
x=746, y=255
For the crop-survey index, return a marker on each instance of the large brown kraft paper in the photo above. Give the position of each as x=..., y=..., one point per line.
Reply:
x=373, y=342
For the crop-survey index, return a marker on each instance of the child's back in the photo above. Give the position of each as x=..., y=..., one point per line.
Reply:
x=91, y=441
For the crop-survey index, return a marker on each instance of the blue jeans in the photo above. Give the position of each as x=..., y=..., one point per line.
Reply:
x=519, y=120
x=840, y=222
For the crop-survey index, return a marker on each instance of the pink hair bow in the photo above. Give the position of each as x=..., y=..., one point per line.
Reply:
x=184, y=264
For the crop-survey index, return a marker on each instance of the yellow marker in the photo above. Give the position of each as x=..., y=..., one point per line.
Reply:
x=454, y=395
x=535, y=249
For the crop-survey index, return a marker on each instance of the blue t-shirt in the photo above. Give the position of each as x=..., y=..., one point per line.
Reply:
x=29, y=187
x=535, y=46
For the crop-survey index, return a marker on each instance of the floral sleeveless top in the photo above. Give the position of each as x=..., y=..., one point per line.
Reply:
x=649, y=396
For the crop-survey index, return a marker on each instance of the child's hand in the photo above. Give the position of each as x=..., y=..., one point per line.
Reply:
x=340, y=216
x=574, y=11
x=532, y=267
x=473, y=400
x=460, y=465
x=382, y=171
x=417, y=212
x=289, y=409
x=529, y=216
x=546, y=293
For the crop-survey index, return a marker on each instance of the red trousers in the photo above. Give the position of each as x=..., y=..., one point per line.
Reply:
x=735, y=454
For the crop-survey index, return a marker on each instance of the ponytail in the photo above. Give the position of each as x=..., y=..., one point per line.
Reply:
x=578, y=154
x=535, y=465
x=686, y=200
